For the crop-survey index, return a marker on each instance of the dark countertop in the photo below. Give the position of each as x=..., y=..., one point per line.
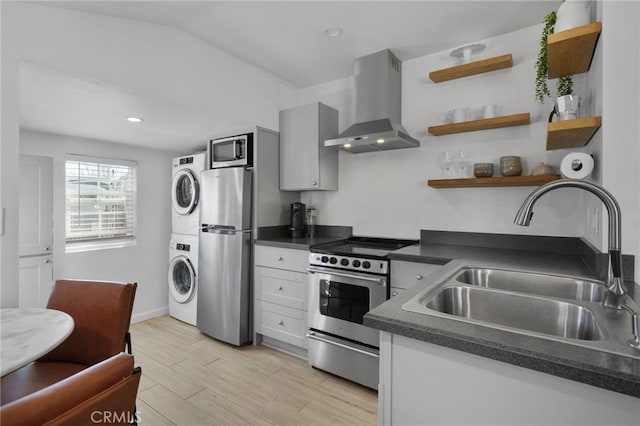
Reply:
x=279, y=236
x=295, y=243
x=619, y=373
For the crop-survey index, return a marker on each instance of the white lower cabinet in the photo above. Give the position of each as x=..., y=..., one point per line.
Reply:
x=282, y=323
x=405, y=274
x=280, y=297
x=426, y=384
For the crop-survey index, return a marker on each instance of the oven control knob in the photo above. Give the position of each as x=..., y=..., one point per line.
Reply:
x=344, y=262
x=356, y=263
x=333, y=260
x=324, y=259
x=366, y=264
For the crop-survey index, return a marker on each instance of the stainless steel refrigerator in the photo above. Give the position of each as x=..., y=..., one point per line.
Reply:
x=224, y=292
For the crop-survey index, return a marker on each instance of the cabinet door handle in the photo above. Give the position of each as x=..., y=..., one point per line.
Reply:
x=47, y=248
x=47, y=261
x=394, y=293
x=314, y=183
x=279, y=258
x=280, y=323
x=279, y=288
x=418, y=277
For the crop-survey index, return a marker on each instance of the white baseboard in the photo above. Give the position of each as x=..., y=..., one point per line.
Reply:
x=149, y=314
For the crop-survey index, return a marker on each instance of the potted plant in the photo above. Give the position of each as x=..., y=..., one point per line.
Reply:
x=566, y=106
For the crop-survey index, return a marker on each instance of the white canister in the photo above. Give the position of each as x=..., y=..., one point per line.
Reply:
x=489, y=111
x=572, y=14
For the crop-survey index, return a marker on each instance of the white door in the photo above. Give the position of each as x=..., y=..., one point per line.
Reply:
x=36, y=205
x=36, y=234
x=36, y=280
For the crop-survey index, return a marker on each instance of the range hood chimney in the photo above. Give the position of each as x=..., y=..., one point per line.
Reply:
x=378, y=85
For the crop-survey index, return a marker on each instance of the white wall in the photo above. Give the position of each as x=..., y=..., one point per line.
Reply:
x=385, y=193
x=154, y=61
x=620, y=44
x=145, y=263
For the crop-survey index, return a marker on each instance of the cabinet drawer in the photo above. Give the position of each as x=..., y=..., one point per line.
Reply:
x=282, y=287
x=282, y=258
x=282, y=323
x=406, y=274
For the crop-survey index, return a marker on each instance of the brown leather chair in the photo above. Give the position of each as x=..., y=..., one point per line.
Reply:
x=101, y=312
x=103, y=393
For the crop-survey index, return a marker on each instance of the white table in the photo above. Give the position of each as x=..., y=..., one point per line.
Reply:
x=27, y=334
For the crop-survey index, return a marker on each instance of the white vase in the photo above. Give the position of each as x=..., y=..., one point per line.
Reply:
x=572, y=14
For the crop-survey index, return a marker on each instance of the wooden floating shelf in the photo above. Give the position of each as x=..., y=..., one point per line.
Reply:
x=485, y=124
x=572, y=133
x=472, y=68
x=492, y=181
x=571, y=51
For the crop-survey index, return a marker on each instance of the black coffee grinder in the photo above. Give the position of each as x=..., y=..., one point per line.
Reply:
x=298, y=213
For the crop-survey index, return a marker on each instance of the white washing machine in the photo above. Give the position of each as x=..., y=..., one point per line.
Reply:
x=185, y=193
x=183, y=277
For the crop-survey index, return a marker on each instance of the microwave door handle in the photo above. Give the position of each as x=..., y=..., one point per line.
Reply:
x=237, y=149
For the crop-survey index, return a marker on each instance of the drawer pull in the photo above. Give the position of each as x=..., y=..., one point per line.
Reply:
x=394, y=293
x=279, y=288
x=418, y=277
x=280, y=323
x=279, y=258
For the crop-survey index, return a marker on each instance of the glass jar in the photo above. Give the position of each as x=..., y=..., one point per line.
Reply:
x=311, y=221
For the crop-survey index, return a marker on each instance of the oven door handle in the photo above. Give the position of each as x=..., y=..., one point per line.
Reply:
x=379, y=281
x=314, y=336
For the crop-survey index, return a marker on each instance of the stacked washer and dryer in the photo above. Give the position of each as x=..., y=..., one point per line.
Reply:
x=183, y=249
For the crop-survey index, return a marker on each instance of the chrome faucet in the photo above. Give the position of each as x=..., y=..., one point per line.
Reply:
x=617, y=292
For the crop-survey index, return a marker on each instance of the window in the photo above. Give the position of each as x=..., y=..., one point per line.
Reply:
x=100, y=203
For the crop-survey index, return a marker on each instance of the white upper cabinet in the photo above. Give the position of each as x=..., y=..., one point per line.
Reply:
x=305, y=163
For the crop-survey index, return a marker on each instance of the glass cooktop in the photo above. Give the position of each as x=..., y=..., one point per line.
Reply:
x=362, y=246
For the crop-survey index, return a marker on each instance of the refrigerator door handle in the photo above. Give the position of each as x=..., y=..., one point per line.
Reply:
x=218, y=229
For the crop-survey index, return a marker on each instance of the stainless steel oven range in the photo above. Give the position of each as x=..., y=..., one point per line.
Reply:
x=346, y=280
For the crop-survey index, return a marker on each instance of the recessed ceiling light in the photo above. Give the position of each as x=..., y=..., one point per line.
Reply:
x=135, y=119
x=333, y=32
x=347, y=145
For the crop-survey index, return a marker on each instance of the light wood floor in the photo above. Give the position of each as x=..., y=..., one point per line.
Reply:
x=191, y=379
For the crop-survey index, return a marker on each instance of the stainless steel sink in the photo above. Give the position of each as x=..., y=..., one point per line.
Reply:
x=540, y=305
x=531, y=313
x=535, y=283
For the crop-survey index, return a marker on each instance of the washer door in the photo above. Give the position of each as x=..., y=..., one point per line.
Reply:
x=185, y=192
x=182, y=279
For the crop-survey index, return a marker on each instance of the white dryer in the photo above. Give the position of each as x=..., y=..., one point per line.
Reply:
x=185, y=193
x=183, y=277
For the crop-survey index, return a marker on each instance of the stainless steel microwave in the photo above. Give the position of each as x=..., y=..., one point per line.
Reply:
x=232, y=151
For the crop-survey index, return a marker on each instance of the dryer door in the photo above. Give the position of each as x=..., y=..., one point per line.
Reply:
x=182, y=279
x=185, y=192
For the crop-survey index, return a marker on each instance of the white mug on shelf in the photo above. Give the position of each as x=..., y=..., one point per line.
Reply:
x=489, y=111
x=456, y=115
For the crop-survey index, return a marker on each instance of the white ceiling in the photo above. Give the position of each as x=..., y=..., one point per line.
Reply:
x=55, y=102
x=285, y=38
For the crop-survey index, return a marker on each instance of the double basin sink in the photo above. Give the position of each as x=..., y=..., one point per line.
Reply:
x=554, y=307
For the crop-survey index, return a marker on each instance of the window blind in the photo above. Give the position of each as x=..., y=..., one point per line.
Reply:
x=100, y=199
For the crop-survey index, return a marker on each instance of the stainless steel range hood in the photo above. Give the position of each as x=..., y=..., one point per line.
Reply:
x=378, y=84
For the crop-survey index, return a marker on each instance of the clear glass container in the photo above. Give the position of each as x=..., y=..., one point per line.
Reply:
x=311, y=221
